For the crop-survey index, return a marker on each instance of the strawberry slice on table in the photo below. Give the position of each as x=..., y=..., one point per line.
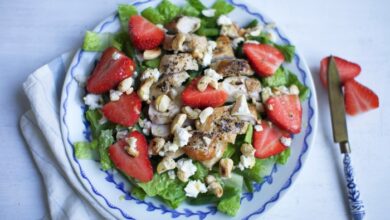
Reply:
x=267, y=141
x=285, y=111
x=126, y=111
x=112, y=68
x=358, y=98
x=347, y=70
x=144, y=34
x=264, y=59
x=138, y=167
x=211, y=97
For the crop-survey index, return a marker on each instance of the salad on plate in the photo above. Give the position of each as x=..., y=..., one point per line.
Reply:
x=190, y=106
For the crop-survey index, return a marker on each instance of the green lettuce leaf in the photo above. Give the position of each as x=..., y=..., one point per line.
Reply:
x=171, y=191
x=208, y=32
x=230, y=150
x=125, y=12
x=93, y=117
x=168, y=10
x=252, y=24
x=230, y=203
x=288, y=51
x=197, y=4
x=85, y=150
x=201, y=171
x=105, y=140
x=153, y=15
x=249, y=134
x=138, y=192
x=279, y=78
x=155, y=63
x=304, y=91
x=189, y=10
x=222, y=7
x=283, y=156
x=261, y=169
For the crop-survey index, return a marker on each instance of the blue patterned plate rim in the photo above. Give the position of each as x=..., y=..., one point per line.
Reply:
x=308, y=139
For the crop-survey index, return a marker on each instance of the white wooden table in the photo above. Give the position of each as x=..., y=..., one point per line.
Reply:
x=34, y=32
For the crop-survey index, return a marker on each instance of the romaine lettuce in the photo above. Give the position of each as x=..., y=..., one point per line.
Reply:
x=171, y=191
x=125, y=12
x=230, y=202
x=168, y=10
x=222, y=7
x=189, y=10
x=85, y=150
x=197, y=4
x=287, y=50
x=153, y=15
x=105, y=140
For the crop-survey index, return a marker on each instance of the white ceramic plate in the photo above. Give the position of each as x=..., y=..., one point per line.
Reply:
x=111, y=190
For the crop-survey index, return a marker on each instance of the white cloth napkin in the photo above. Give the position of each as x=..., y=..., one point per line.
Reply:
x=40, y=126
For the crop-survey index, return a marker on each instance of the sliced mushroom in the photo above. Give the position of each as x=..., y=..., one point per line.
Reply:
x=234, y=86
x=187, y=24
x=160, y=130
x=232, y=67
x=176, y=63
x=224, y=49
x=163, y=117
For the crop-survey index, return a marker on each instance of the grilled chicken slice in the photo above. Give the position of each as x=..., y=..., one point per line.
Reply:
x=241, y=85
x=232, y=67
x=197, y=45
x=176, y=63
x=162, y=118
x=183, y=24
x=224, y=125
x=224, y=49
x=201, y=146
x=168, y=82
x=220, y=149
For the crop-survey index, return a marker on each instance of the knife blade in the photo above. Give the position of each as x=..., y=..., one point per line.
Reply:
x=337, y=108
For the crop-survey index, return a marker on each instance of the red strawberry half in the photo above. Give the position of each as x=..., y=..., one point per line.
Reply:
x=347, y=70
x=358, y=98
x=138, y=167
x=112, y=68
x=267, y=141
x=286, y=112
x=211, y=97
x=144, y=34
x=126, y=111
x=264, y=59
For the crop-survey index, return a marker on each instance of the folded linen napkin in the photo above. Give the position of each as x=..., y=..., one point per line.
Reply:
x=40, y=127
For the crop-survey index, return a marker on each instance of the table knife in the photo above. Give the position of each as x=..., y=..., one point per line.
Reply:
x=340, y=136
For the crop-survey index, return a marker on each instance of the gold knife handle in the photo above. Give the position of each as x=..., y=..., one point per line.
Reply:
x=356, y=205
x=345, y=148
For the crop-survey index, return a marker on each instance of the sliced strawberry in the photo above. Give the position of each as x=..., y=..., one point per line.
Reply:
x=267, y=141
x=126, y=111
x=347, y=70
x=138, y=167
x=211, y=97
x=264, y=59
x=285, y=111
x=144, y=35
x=358, y=98
x=113, y=67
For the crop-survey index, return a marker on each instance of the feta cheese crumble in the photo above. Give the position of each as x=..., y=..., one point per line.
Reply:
x=115, y=95
x=182, y=137
x=126, y=85
x=151, y=73
x=286, y=141
x=186, y=168
x=171, y=174
x=224, y=20
x=208, y=56
x=213, y=74
x=93, y=101
x=194, y=187
x=205, y=114
x=209, y=12
x=258, y=127
x=246, y=162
